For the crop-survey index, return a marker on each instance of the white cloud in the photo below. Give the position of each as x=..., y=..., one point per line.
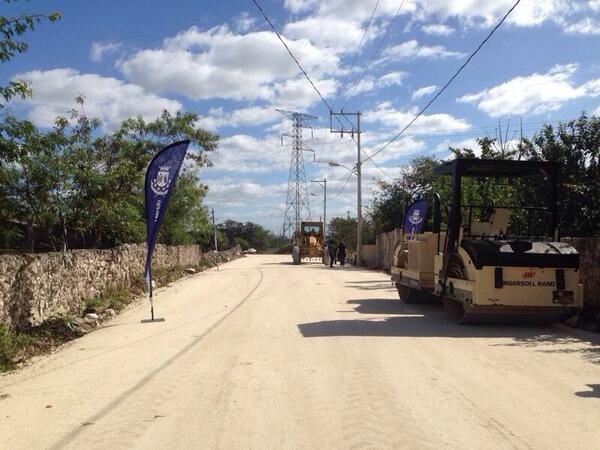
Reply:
x=338, y=33
x=392, y=78
x=298, y=6
x=99, y=49
x=438, y=29
x=596, y=112
x=109, y=99
x=587, y=25
x=220, y=64
x=426, y=124
x=435, y=13
x=245, y=22
x=402, y=147
x=444, y=147
x=250, y=116
x=422, y=92
x=370, y=83
x=487, y=12
x=229, y=192
x=297, y=93
x=533, y=94
x=351, y=9
x=411, y=49
x=242, y=153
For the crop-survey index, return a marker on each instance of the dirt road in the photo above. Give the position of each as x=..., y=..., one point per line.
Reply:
x=264, y=354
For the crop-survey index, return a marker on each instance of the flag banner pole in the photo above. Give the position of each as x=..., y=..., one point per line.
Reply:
x=161, y=175
x=152, y=319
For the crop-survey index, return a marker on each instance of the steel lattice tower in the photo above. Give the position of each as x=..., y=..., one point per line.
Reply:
x=297, y=206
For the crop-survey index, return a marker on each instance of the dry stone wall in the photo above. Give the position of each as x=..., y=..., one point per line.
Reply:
x=589, y=260
x=36, y=287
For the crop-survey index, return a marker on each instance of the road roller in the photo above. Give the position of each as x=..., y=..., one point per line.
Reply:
x=471, y=258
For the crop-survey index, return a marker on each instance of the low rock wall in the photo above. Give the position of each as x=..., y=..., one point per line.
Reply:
x=37, y=287
x=213, y=258
x=589, y=261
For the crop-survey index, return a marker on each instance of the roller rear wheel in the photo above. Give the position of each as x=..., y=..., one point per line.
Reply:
x=409, y=295
x=456, y=310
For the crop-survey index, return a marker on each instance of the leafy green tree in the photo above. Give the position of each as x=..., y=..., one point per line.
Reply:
x=248, y=235
x=85, y=189
x=344, y=229
x=575, y=146
x=11, y=44
x=415, y=182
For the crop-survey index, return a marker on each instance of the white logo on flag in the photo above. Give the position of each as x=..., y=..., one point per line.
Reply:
x=415, y=218
x=160, y=185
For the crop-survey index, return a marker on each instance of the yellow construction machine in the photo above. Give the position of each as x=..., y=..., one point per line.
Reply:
x=309, y=240
x=476, y=264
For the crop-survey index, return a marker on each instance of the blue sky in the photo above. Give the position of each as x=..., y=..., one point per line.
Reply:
x=221, y=61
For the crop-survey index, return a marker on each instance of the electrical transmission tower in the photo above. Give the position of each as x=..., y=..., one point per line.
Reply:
x=297, y=207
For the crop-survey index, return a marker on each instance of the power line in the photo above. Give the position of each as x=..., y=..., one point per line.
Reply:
x=343, y=188
x=360, y=44
x=356, y=84
x=414, y=119
x=264, y=14
x=291, y=54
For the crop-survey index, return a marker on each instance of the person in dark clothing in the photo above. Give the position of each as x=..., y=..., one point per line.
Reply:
x=331, y=249
x=341, y=253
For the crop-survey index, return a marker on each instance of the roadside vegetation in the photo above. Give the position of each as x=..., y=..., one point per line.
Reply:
x=246, y=235
x=575, y=145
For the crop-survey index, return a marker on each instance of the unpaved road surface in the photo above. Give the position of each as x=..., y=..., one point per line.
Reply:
x=264, y=354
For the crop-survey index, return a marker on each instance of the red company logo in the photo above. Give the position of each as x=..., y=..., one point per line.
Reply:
x=527, y=275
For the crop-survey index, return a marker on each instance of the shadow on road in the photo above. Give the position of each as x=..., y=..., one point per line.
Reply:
x=371, y=286
x=594, y=393
x=430, y=320
x=282, y=263
x=383, y=306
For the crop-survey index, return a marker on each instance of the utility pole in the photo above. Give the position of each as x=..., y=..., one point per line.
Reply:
x=323, y=184
x=354, y=129
x=297, y=207
x=214, y=229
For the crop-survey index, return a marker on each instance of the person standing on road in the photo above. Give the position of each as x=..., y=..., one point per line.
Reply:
x=331, y=250
x=341, y=253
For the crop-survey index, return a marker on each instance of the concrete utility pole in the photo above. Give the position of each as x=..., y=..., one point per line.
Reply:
x=214, y=228
x=354, y=129
x=323, y=184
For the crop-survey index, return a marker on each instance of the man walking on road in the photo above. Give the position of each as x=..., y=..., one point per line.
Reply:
x=331, y=250
x=341, y=253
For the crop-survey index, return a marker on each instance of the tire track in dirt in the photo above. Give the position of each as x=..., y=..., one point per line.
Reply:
x=374, y=416
x=119, y=423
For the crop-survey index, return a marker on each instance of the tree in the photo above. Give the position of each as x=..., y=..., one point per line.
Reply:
x=574, y=146
x=248, y=235
x=11, y=44
x=416, y=181
x=83, y=189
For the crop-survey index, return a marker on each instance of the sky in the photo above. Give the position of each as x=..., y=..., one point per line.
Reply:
x=384, y=58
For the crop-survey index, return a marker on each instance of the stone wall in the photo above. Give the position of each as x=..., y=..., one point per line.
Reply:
x=386, y=244
x=36, y=287
x=589, y=259
x=213, y=258
x=369, y=256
